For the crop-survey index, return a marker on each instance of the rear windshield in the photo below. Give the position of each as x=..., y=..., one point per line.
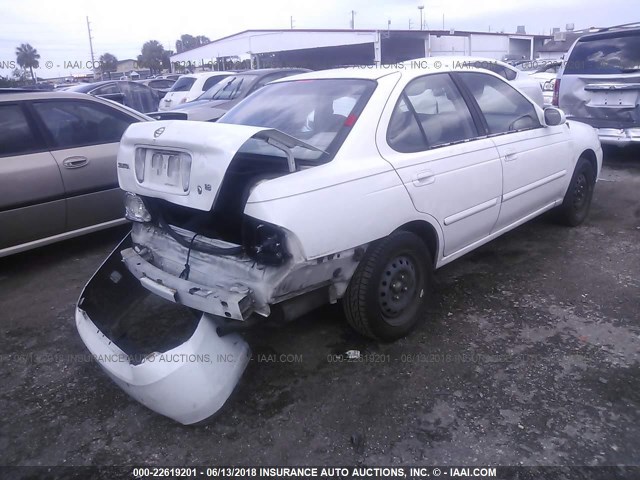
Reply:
x=229, y=88
x=605, y=55
x=183, y=84
x=318, y=112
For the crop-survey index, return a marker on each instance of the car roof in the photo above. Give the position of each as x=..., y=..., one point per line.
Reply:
x=412, y=68
x=609, y=33
x=33, y=95
x=66, y=95
x=85, y=87
x=21, y=90
x=206, y=74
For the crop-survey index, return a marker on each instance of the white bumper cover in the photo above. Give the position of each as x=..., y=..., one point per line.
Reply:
x=188, y=383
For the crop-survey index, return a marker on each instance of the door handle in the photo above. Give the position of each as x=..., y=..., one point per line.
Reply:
x=510, y=156
x=425, y=177
x=75, y=162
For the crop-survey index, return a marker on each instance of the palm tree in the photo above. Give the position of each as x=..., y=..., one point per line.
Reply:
x=108, y=63
x=28, y=57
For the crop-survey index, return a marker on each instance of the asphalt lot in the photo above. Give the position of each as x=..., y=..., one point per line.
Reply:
x=530, y=356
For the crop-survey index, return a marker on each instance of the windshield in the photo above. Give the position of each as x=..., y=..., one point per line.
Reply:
x=611, y=54
x=319, y=112
x=229, y=88
x=183, y=84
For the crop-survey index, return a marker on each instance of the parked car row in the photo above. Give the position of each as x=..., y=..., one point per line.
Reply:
x=227, y=91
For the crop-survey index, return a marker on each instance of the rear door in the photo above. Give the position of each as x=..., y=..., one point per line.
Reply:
x=32, y=203
x=84, y=137
x=536, y=160
x=450, y=172
x=600, y=83
x=110, y=91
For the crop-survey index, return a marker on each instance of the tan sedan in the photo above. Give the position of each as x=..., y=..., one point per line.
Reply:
x=58, y=166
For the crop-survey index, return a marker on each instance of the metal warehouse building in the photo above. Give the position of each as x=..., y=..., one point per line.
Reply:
x=329, y=48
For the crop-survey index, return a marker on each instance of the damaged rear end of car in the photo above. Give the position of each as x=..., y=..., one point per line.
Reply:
x=162, y=314
x=600, y=84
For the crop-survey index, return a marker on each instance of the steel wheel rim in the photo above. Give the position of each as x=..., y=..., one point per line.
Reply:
x=398, y=288
x=580, y=192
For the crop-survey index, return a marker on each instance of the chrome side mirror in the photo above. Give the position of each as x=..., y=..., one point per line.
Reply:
x=554, y=116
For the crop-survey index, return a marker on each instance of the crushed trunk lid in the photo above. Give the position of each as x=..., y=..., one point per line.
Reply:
x=184, y=162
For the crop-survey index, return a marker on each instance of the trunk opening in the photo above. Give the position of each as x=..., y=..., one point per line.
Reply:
x=225, y=220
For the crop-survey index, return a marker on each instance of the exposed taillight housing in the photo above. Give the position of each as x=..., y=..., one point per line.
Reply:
x=556, y=93
x=264, y=242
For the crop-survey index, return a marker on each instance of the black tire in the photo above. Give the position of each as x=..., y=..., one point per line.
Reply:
x=577, y=200
x=387, y=295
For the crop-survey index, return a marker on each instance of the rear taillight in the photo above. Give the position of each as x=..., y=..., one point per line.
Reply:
x=139, y=164
x=556, y=93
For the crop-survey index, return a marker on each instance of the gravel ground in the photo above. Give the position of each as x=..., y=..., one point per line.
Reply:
x=529, y=356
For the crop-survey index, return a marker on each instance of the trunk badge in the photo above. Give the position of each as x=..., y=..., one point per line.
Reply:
x=158, y=132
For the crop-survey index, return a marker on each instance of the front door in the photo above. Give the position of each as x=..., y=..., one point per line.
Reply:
x=536, y=159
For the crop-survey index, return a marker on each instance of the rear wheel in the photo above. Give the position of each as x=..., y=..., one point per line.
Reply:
x=577, y=200
x=387, y=294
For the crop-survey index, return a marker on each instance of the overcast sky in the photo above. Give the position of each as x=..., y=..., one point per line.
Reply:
x=58, y=30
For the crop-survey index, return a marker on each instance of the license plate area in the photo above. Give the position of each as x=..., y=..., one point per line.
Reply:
x=164, y=170
x=613, y=99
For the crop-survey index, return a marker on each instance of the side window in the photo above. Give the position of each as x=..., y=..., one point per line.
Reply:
x=504, y=108
x=77, y=123
x=16, y=136
x=429, y=113
x=211, y=81
x=509, y=74
x=495, y=67
x=269, y=78
x=109, y=89
x=161, y=83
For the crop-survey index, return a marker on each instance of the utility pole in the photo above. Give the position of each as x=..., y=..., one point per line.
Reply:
x=353, y=19
x=421, y=8
x=291, y=19
x=91, y=48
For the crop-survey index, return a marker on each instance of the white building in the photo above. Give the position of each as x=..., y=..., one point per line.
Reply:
x=329, y=48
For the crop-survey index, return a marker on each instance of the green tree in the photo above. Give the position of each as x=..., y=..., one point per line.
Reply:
x=152, y=56
x=189, y=42
x=108, y=63
x=166, y=59
x=28, y=57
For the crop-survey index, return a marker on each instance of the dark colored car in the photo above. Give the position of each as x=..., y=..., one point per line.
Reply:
x=132, y=94
x=160, y=85
x=216, y=101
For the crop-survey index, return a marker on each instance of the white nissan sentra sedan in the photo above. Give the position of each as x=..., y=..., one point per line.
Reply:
x=347, y=185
